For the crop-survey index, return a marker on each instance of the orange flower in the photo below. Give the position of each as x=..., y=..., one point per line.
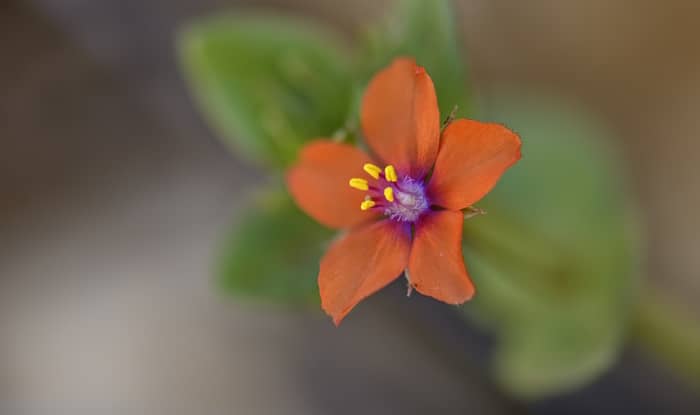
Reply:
x=406, y=216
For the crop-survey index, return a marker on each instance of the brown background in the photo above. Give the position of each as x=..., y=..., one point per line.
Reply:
x=113, y=195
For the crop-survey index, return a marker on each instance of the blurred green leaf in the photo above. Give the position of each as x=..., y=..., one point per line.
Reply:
x=273, y=253
x=267, y=84
x=554, y=354
x=425, y=30
x=556, y=257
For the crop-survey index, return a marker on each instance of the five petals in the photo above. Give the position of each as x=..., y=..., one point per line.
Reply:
x=401, y=124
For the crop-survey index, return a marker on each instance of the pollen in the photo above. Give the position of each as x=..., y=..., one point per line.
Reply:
x=367, y=204
x=389, y=194
x=390, y=173
x=372, y=170
x=359, y=184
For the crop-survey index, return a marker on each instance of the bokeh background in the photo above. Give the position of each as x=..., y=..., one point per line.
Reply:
x=114, y=196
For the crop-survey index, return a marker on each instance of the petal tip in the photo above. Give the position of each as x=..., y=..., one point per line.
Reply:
x=464, y=298
x=468, y=297
x=404, y=59
x=336, y=317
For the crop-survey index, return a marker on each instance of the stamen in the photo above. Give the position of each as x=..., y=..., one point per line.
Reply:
x=389, y=194
x=367, y=204
x=359, y=184
x=390, y=173
x=372, y=170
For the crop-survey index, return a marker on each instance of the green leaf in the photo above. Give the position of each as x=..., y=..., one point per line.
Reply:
x=554, y=354
x=273, y=253
x=267, y=84
x=425, y=30
x=555, y=260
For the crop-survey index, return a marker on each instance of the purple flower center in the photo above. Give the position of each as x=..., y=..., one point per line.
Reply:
x=402, y=199
x=410, y=201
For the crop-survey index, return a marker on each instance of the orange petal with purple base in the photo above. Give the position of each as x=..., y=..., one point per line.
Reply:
x=360, y=263
x=436, y=266
x=472, y=157
x=400, y=117
x=318, y=183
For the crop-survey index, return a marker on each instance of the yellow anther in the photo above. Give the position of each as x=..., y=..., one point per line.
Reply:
x=359, y=184
x=367, y=204
x=389, y=194
x=372, y=170
x=390, y=173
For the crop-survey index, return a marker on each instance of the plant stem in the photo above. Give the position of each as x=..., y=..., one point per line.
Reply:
x=669, y=334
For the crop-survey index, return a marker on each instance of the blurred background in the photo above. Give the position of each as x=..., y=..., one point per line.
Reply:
x=114, y=196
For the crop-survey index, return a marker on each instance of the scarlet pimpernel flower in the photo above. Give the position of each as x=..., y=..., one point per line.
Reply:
x=402, y=204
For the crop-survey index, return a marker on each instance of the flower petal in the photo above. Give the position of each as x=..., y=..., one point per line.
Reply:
x=319, y=180
x=400, y=117
x=362, y=262
x=472, y=157
x=436, y=266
